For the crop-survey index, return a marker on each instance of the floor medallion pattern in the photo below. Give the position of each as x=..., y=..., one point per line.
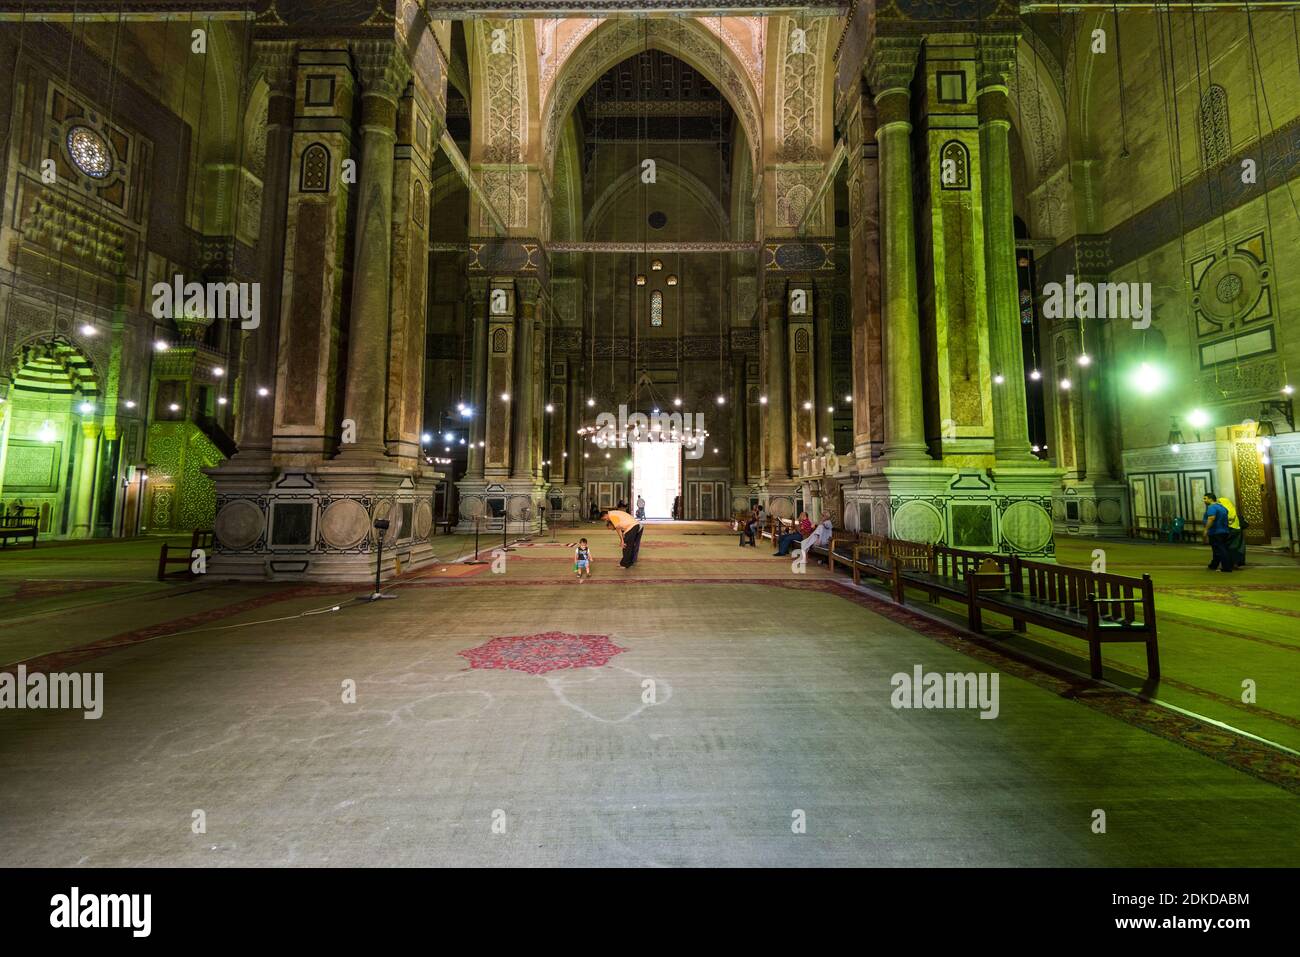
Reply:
x=540, y=653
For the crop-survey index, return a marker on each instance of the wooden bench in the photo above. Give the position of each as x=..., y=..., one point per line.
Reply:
x=945, y=574
x=23, y=522
x=201, y=538
x=872, y=555
x=1094, y=606
x=840, y=547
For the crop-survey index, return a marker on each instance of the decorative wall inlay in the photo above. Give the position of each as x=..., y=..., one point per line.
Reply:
x=314, y=174
x=1231, y=286
x=1216, y=137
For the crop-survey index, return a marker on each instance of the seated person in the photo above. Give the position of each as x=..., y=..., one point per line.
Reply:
x=821, y=535
x=751, y=529
x=800, y=532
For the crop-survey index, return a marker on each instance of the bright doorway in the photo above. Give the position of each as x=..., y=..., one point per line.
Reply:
x=656, y=476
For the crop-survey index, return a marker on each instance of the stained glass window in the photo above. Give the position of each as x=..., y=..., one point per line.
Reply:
x=89, y=152
x=656, y=308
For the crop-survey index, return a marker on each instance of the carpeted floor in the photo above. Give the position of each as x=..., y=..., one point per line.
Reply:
x=709, y=706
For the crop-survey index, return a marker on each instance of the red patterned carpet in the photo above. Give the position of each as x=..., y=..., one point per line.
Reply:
x=548, y=651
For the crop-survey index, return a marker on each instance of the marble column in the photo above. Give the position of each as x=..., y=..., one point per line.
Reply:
x=891, y=72
x=1006, y=354
x=739, y=412
x=777, y=408
x=384, y=74
x=477, y=311
x=83, y=504
x=522, y=401
x=256, y=416
x=824, y=305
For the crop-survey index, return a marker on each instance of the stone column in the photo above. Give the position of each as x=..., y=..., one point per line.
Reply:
x=739, y=412
x=864, y=272
x=477, y=312
x=384, y=74
x=1006, y=354
x=521, y=459
x=275, y=59
x=824, y=303
x=776, y=411
x=83, y=504
x=891, y=67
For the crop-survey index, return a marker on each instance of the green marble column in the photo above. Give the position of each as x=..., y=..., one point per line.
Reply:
x=87, y=466
x=384, y=74
x=891, y=71
x=1006, y=354
x=478, y=377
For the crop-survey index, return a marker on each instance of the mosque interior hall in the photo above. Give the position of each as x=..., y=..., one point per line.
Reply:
x=637, y=433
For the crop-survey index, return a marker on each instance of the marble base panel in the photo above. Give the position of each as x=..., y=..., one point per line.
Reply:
x=1007, y=510
x=318, y=525
x=1092, y=509
x=516, y=502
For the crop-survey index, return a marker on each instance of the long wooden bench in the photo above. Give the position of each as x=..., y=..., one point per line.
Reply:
x=1094, y=606
x=840, y=548
x=872, y=556
x=939, y=570
x=201, y=538
x=22, y=523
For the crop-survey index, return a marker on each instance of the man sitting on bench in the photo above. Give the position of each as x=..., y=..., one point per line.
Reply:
x=800, y=532
x=820, y=537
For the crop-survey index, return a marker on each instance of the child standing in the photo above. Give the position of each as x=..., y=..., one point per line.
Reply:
x=582, y=560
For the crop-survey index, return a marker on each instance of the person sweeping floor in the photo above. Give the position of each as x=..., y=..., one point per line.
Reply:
x=629, y=534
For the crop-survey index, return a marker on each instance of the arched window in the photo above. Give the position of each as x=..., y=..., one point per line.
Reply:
x=656, y=308
x=954, y=166
x=315, y=172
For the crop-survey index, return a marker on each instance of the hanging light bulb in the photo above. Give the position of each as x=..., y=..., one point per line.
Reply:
x=722, y=400
x=591, y=402
x=46, y=434
x=1035, y=375
x=999, y=379
x=1065, y=384
x=762, y=400
x=549, y=407
x=677, y=401
x=848, y=398
x=1084, y=359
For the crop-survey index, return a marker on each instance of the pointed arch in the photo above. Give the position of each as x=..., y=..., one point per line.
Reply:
x=616, y=39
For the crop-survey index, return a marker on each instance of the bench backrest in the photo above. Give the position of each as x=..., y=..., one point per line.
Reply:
x=1075, y=589
x=918, y=555
x=874, y=546
x=957, y=563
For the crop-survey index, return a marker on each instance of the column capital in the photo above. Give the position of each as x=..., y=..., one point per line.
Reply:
x=997, y=59
x=382, y=68
x=891, y=62
x=91, y=430
x=273, y=61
